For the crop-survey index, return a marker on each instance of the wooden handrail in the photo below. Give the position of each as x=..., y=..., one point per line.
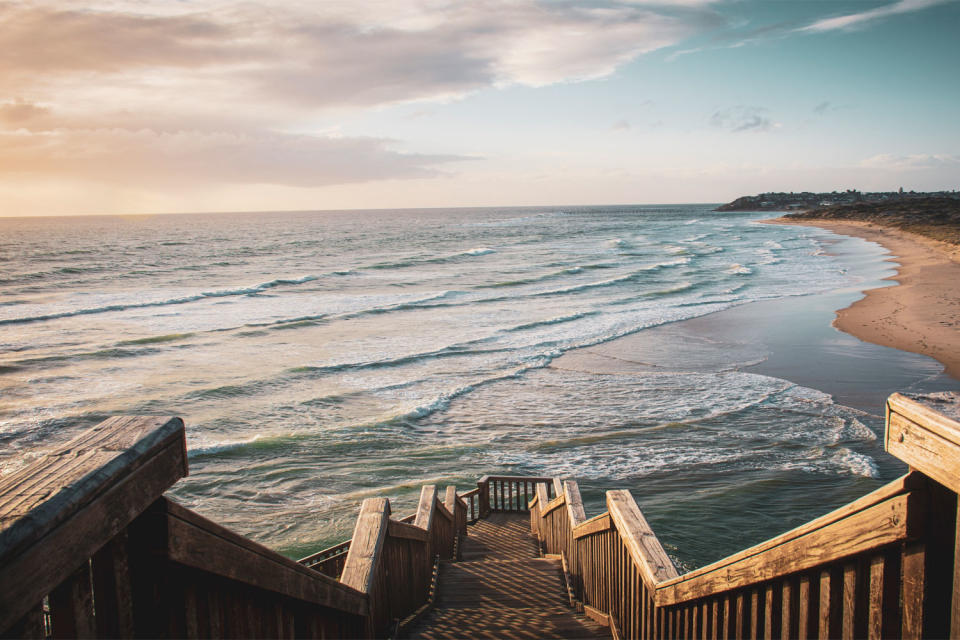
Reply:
x=367, y=541
x=900, y=486
x=515, y=479
x=890, y=521
x=89, y=547
x=926, y=440
x=194, y=541
x=596, y=524
x=872, y=567
x=641, y=542
x=571, y=494
x=57, y=512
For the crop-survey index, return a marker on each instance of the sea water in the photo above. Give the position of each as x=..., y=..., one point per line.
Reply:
x=319, y=358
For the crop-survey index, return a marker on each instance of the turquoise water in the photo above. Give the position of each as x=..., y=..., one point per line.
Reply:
x=321, y=358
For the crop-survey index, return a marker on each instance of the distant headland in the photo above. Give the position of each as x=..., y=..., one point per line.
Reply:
x=932, y=214
x=922, y=232
x=806, y=200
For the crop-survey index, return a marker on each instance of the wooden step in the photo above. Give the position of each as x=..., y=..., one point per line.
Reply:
x=502, y=589
x=511, y=623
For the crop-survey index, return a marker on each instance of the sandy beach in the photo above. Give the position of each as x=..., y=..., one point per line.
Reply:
x=920, y=314
x=797, y=338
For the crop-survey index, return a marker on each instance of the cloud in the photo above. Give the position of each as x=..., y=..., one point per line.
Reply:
x=361, y=53
x=889, y=161
x=621, y=125
x=165, y=159
x=152, y=92
x=742, y=118
x=860, y=19
x=822, y=108
x=20, y=111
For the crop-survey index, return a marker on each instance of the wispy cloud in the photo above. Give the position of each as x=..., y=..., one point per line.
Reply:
x=361, y=53
x=149, y=157
x=19, y=111
x=146, y=90
x=742, y=118
x=854, y=20
x=913, y=161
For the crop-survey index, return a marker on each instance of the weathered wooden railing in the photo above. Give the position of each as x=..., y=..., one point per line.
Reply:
x=613, y=561
x=392, y=562
x=886, y=565
x=509, y=493
x=90, y=547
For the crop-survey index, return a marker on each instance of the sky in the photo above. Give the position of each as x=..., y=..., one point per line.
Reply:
x=153, y=106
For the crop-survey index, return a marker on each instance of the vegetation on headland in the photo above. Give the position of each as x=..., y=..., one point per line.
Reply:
x=804, y=200
x=933, y=217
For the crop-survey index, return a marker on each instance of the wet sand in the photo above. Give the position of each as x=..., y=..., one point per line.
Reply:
x=922, y=313
x=790, y=338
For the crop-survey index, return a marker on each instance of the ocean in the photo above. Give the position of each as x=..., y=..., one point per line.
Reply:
x=319, y=358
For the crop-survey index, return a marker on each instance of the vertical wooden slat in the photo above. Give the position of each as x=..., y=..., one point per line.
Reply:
x=740, y=629
x=754, y=614
x=804, y=610
x=727, y=618
x=769, y=613
x=876, y=600
x=191, y=611
x=215, y=613
x=849, y=601
x=825, y=606
x=714, y=619
x=112, y=591
x=912, y=591
x=71, y=606
x=693, y=632
x=787, y=616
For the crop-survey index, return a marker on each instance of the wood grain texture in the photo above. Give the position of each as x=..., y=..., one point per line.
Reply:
x=368, y=537
x=575, y=511
x=194, y=541
x=397, y=529
x=913, y=586
x=874, y=527
x=644, y=547
x=59, y=484
x=426, y=507
x=919, y=413
x=925, y=449
x=31, y=573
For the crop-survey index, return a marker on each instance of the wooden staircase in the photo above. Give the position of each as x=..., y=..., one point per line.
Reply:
x=501, y=588
x=91, y=547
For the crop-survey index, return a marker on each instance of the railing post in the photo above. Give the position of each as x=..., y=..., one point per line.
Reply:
x=363, y=559
x=483, y=485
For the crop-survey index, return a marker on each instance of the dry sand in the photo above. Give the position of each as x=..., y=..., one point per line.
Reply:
x=922, y=313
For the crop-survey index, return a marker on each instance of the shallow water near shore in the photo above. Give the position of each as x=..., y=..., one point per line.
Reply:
x=321, y=358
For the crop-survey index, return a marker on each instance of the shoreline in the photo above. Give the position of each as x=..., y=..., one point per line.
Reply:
x=919, y=313
x=792, y=338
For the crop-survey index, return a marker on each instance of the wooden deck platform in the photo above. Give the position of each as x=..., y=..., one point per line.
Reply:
x=502, y=589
